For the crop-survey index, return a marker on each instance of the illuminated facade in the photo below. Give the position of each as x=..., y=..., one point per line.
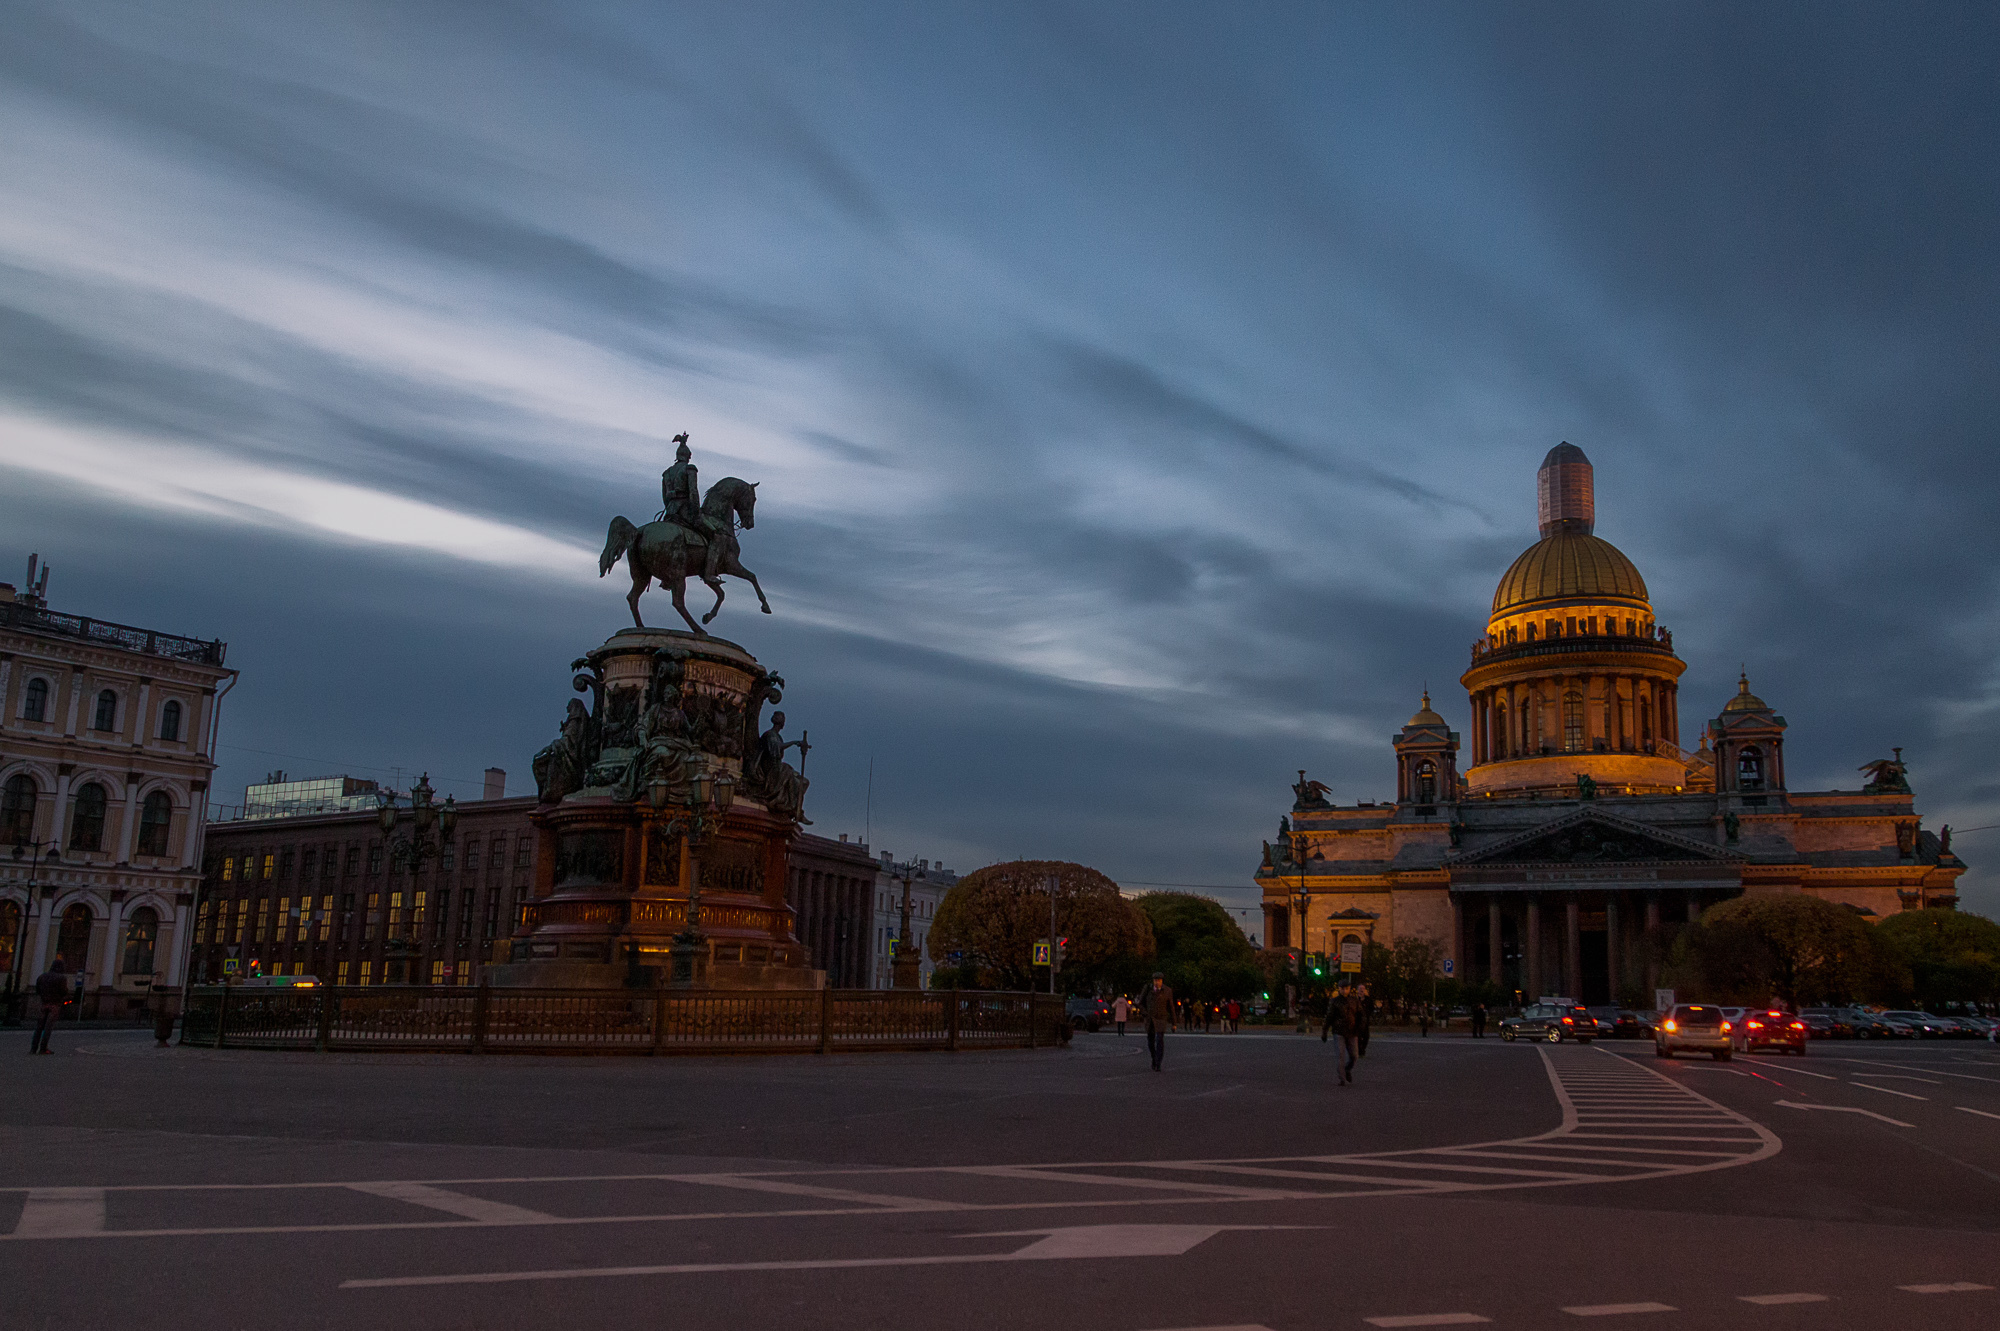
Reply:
x=1580, y=822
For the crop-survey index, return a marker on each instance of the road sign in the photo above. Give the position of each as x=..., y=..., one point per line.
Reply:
x=1449, y=965
x=1663, y=999
x=1041, y=954
x=1350, y=956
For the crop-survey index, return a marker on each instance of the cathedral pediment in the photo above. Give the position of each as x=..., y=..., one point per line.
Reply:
x=1589, y=836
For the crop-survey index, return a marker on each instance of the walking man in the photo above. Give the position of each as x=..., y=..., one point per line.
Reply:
x=53, y=989
x=1120, y=1011
x=1343, y=1016
x=1160, y=1008
x=1365, y=1015
x=1479, y=1021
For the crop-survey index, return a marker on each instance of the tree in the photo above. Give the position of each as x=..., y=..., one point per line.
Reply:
x=1951, y=956
x=1799, y=948
x=1413, y=966
x=1200, y=948
x=995, y=916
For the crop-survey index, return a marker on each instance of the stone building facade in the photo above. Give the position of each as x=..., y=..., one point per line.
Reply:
x=107, y=742
x=1580, y=820
x=830, y=886
x=928, y=885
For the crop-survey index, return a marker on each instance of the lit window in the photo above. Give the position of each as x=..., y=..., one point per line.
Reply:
x=340, y=973
x=142, y=929
x=367, y=972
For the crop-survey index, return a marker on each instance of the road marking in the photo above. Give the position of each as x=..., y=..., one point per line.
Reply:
x=1428, y=1319
x=1887, y=1091
x=1981, y=1112
x=1619, y=1309
x=1847, y=1109
x=1255, y=1326
x=1772, y=1300
x=889, y=1201
x=1111, y=1181
x=1951, y=1287
x=1085, y=1241
x=1893, y=1076
x=454, y=1203
x=1821, y=1075
x=61, y=1213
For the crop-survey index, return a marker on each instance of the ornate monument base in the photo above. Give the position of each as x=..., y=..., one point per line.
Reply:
x=662, y=803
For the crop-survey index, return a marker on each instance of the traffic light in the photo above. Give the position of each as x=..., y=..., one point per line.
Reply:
x=1062, y=950
x=1319, y=963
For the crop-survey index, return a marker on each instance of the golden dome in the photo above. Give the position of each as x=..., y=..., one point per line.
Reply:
x=1425, y=716
x=1568, y=566
x=1745, y=701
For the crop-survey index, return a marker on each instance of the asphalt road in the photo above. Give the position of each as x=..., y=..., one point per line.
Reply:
x=1457, y=1182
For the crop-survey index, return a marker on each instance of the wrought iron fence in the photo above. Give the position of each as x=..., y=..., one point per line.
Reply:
x=150, y=641
x=633, y=1021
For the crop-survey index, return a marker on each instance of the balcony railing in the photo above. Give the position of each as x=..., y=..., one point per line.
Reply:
x=1484, y=652
x=432, y=1018
x=149, y=641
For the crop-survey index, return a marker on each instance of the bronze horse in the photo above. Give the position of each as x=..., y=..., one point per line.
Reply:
x=673, y=554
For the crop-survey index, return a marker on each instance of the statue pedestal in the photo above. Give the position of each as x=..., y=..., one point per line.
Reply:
x=613, y=868
x=907, y=971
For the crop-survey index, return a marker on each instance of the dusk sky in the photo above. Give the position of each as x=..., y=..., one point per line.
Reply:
x=1145, y=398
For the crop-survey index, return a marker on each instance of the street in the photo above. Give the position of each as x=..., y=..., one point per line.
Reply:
x=1458, y=1182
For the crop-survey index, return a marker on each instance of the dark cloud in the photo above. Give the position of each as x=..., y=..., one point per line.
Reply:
x=1145, y=406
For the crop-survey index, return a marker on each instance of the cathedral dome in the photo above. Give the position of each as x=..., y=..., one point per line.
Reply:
x=1565, y=566
x=1425, y=716
x=1745, y=701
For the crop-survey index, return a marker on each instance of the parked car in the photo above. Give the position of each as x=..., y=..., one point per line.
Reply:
x=1770, y=1029
x=1694, y=1026
x=1873, y=1026
x=1921, y=1024
x=1087, y=1014
x=1616, y=1023
x=1827, y=1023
x=1554, y=1022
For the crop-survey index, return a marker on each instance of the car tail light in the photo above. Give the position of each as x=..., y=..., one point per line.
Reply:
x=1798, y=1025
x=1725, y=1028
x=1753, y=1022
x=1569, y=1021
x=1671, y=1027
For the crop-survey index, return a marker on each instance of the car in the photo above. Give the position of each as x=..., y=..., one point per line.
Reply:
x=1921, y=1024
x=1700, y=1027
x=1616, y=1023
x=1769, y=1029
x=1086, y=1014
x=1828, y=1023
x=1869, y=1025
x=1554, y=1022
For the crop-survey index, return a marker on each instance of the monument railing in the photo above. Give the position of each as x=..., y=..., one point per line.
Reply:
x=445, y=1018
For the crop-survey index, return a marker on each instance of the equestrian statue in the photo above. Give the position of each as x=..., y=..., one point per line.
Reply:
x=693, y=536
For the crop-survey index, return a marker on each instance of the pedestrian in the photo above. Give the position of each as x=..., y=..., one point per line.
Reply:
x=1121, y=1010
x=53, y=989
x=1160, y=1008
x=163, y=1012
x=1424, y=1021
x=1479, y=1021
x=1343, y=1015
x=1235, y=1016
x=1365, y=1008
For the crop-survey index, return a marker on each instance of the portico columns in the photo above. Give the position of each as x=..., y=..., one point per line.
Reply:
x=1532, y=949
x=1573, y=949
x=1652, y=948
x=1493, y=952
x=1611, y=943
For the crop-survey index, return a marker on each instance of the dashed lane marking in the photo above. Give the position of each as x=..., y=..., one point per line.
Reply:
x=1888, y=1091
x=1773, y=1300
x=1618, y=1309
x=1949, y=1287
x=61, y=1213
x=1428, y=1319
x=455, y=1203
x=1981, y=1112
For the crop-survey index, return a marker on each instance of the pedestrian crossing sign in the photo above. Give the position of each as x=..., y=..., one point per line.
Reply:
x=1041, y=954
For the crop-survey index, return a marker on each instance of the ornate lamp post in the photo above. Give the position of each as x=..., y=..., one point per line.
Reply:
x=1300, y=846
x=52, y=851
x=907, y=970
x=711, y=792
x=420, y=845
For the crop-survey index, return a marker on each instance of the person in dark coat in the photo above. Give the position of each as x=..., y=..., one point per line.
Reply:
x=1364, y=1015
x=53, y=989
x=1479, y=1021
x=1343, y=1018
x=1160, y=1008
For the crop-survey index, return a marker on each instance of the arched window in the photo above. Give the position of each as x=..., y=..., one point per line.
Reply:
x=106, y=717
x=17, y=810
x=142, y=930
x=35, y=701
x=154, y=817
x=73, y=939
x=1573, y=722
x=170, y=720
x=1750, y=768
x=86, y=825
x=1427, y=782
x=10, y=932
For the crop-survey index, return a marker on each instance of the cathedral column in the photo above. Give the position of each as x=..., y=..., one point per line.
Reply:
x=1461, y=952
x=1652, y=944
x=1531, y=949
x=1611, y=944
x=1573, y=948
x=1494, y=963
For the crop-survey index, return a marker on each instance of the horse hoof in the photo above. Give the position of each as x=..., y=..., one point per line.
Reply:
x=767, y=609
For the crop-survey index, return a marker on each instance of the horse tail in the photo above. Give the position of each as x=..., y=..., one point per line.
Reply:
x=617, y=541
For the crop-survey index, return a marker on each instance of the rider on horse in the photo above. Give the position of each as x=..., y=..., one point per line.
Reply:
x=680, y=497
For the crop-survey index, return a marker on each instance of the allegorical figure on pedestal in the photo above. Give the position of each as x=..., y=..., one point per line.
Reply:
x=772, y=780
x=559, y=769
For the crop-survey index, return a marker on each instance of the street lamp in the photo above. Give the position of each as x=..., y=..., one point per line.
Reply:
x=711, y=792
x=426, y=817
x=907, y=971
x=52, y=852
x=1300, y=846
